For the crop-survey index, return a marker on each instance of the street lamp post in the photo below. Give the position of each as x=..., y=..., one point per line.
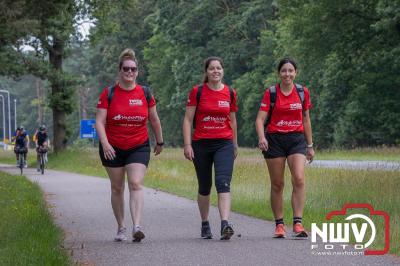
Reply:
x=15, y=115
x=4, y=119
x=9, y=116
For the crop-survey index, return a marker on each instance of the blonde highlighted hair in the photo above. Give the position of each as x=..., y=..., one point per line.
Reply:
x=127, y=54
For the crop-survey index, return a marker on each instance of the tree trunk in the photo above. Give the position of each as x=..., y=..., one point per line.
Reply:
x=40, y=97
x=84, y=94
x=59, y=114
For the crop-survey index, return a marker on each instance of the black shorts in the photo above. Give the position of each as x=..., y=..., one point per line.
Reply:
x=138, y=154
x=20, y=149
x=285, y=144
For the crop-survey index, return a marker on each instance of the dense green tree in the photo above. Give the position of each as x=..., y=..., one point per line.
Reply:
x=231, y=30
x=347, y=52
x=349, y=55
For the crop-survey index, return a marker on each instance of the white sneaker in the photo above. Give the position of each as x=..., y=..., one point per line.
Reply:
x=121, y=235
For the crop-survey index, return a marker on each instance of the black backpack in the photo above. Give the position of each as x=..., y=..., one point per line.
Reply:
x=272, y=93
x=198, y=95
x=146, y=90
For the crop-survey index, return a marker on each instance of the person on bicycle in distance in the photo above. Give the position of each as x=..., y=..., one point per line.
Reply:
x=21, y=143
x=41, y=141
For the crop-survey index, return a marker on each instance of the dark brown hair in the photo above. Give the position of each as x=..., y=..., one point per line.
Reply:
x=207, y=63
x=285, y=61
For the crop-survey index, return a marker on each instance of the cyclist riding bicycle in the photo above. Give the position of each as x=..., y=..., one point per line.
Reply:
x=21, y=144
x=41, y=141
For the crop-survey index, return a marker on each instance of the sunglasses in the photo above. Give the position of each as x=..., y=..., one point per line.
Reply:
x=127, y=69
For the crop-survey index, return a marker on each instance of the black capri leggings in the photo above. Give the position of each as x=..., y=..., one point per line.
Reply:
x=219, y=152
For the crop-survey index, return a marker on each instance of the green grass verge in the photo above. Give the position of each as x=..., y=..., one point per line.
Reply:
x=28, y=235
x=327, y=189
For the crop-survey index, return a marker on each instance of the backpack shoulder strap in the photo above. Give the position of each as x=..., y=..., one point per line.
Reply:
x=110, y=94
x=198, y=95
x=147, y=94
x=272, y=100
x=231, y=94
x=300, y=91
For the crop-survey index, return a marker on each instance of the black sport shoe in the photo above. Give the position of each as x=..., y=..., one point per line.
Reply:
x=227, y=232
x=137, y=234
x=206, y=232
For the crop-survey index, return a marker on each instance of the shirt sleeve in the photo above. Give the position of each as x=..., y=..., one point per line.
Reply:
x=234, y=107
x=103, y=99
x=192, y=101
x=307, y=99
x=265, y=102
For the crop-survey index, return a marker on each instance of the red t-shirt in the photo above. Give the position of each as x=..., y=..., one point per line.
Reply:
x=287, y=114
x=126, y=116
x=213, y=113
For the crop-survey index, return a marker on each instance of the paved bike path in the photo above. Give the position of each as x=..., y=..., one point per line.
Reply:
x=81, y=207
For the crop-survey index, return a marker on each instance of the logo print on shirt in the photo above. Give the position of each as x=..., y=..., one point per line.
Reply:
x=214, y=119
x=137, y=102
x=136, y=118
x=293, y=123
x=223, y=104
x=295, y=106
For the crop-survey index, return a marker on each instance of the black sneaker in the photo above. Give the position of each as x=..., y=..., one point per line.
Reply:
x=227, y=232
x=206, y=232
x=137, y=234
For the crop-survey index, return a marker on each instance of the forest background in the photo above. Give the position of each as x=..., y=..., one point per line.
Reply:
x=348, y=53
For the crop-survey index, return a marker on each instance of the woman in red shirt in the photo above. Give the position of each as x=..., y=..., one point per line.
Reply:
x=214, y=142
x=287, y=137
x=121, y=120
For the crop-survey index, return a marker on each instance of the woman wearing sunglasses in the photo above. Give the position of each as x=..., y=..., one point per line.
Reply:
x=121, y=118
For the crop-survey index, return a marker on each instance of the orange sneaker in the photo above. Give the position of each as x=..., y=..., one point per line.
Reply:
x=299, y=231
x=280, y=231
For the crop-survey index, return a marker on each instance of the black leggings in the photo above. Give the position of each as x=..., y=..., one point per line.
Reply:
x=219, y=152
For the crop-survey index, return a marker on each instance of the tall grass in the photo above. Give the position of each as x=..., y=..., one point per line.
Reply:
x=28, y=235
x=327, y=189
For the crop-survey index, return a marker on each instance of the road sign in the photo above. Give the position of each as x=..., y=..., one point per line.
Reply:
x=88, y=130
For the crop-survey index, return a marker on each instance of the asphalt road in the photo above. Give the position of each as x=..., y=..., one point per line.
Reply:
x=81, y=207
x=361, y=165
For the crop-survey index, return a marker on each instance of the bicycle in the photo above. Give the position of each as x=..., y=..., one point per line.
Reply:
x=42, y=158
x=21, y=158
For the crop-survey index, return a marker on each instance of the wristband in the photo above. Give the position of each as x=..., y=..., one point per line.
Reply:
x=160, y=144
x=310, y=145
